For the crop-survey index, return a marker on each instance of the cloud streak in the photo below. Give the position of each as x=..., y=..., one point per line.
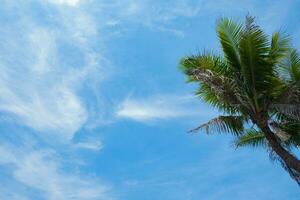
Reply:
x=66, y=2
x=160, y=107
x=41, y=170
x=44, y=64
x=38, y=87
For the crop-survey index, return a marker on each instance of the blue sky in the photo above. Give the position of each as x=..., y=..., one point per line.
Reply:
x=93, y=106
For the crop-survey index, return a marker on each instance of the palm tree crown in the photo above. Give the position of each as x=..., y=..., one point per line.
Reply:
x=256, y=82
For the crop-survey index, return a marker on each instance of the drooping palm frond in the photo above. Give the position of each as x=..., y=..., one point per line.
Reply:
x=227, y=124
x=252, y=138
x=289, y=110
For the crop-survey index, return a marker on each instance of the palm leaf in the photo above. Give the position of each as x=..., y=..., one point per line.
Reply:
x=289, y=93
x=204, y=61
x=228, y=124
x=256, y=70
x=211, y=72
x=291, y=111
x=252, y=138
x=223, y=102
x=280, y=45
x=290, y=66
x=287, y=130
x=229, y=34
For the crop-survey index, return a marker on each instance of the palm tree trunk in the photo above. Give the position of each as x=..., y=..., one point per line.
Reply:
x=290, y=160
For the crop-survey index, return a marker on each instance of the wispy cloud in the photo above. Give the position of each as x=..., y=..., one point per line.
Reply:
x=41, y=170
x=66, y=2
x=162, y=16
x=44, y=64
x=160, y=107
x=93, y=144
x=39, y=86
x=153, y=15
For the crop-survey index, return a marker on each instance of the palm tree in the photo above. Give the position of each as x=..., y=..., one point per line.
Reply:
x=256, y=84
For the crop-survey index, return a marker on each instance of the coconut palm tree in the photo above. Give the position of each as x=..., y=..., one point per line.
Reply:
x=256, y=84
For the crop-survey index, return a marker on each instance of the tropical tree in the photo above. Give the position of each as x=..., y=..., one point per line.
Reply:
x=256, y=84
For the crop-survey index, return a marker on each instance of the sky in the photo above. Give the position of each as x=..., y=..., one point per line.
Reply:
x=94, y=107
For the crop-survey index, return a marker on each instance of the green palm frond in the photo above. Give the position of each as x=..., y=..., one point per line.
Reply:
x=290, y=67
x=222, y=102
x=291, y=111
x=254, y=48
x=215, y=85
x=229, y=34
x=288, y=130
x=223, y=87
x=252, y=138
x=289, y=93
x=280, y=45
x=227, y=124
x=202, y=67
x=205, y=62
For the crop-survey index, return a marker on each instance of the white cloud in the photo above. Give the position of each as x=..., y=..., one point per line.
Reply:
x=79, y=25
x=150, y=14
x=163, y=15
x=140, y=111
x=37, y=91
x=132, y=8
x=66, y=2
x=41, y=170
x=5, y=193
x=44, y=65
x=159, y=107
x=36, y=84
x=93, y=144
